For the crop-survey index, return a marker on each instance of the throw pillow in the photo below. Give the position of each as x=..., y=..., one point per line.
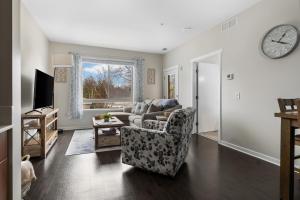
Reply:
x=133, y=107
x=168, y=103
x=140, y=108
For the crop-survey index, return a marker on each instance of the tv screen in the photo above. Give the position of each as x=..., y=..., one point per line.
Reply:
x=43, y=90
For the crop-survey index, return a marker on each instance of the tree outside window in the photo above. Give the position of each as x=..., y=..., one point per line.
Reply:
x=106, y=85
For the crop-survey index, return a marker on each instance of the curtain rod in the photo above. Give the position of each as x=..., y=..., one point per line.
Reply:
x=107, y=58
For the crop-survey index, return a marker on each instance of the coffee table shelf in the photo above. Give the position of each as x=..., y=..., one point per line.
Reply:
x=106, y=140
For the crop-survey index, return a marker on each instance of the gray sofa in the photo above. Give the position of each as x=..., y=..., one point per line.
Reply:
x=147, y=110
x=159, y=147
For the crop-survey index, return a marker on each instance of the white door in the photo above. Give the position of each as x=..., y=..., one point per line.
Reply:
x=171, y=87
x=208, y=97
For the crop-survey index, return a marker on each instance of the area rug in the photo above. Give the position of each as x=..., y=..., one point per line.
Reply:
x=83, y=142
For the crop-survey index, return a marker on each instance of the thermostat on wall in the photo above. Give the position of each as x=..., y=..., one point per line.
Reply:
x=230, y=76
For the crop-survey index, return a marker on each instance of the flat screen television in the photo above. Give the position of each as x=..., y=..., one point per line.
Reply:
x=43, y=90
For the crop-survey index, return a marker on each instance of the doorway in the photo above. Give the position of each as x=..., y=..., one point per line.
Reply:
x=207, y=95
x=171, y=86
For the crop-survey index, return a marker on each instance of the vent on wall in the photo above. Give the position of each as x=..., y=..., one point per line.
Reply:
x=229, y=24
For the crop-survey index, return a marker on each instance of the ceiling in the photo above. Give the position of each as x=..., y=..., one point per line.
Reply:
x=139, y=25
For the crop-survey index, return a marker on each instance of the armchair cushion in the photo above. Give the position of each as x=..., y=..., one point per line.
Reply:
x=154, y=124
x=135, y=120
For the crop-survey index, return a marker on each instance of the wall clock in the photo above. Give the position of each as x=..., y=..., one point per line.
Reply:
x=280, y=41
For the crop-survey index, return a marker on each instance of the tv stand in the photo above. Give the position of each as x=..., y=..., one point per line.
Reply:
x=39, y=131
x=40, y=110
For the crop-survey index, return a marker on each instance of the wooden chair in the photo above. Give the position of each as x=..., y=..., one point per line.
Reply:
x=291, y=105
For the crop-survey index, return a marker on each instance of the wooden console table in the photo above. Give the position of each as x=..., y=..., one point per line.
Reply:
x=39, y=132
x=290, y=121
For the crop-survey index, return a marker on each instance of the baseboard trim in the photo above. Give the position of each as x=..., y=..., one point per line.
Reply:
x=250, y=152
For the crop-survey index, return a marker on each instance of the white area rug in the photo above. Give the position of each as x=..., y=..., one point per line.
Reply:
x=83, y=142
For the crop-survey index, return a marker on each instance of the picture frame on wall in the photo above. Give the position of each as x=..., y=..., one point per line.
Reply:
x=151, y=76
x=60, y=75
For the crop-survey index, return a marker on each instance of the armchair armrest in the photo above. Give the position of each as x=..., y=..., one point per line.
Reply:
x=154, y=124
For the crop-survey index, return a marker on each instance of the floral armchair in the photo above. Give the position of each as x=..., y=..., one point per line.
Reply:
x=159, y=147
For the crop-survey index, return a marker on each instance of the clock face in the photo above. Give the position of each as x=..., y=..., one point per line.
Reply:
x=280, y=41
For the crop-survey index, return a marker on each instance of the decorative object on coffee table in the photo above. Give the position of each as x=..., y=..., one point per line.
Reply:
x=109, y=131
x=107, y=117
x=103, y=139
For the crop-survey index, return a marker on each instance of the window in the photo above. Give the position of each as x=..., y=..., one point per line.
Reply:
x=106, y=84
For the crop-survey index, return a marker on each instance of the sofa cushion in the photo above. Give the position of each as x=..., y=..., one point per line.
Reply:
x=136, y=123
x=140, y=108
x=173, y=108
x=153, y=108
x=133, y=118
x=127, y=109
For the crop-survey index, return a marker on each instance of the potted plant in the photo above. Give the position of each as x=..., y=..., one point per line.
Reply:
x=107, y=117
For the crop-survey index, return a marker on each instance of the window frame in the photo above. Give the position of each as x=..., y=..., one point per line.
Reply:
x=108, y=62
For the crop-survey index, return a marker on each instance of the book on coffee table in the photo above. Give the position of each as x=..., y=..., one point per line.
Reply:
x=109, y=131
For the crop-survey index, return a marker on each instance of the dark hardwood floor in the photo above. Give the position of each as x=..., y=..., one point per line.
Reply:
x=211, y=172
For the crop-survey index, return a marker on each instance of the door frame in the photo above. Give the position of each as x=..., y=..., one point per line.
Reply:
x=194, y=65
x=169, y=69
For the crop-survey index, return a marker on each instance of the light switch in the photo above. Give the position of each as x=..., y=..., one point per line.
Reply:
x=230, y=76
x=237, y=95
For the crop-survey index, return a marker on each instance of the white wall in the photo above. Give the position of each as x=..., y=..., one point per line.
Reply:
x=61, y=92
x=35, y=55
x=250, y=122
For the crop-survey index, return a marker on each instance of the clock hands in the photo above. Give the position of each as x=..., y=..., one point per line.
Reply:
x=280, y=42
x=283, y=36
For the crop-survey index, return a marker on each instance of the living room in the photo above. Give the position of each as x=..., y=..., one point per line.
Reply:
x=147, y=98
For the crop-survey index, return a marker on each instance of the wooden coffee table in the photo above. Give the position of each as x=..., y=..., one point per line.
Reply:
x=107, y=139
